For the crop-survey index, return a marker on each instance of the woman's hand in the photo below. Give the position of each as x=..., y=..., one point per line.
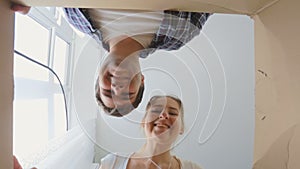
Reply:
x=17, y=164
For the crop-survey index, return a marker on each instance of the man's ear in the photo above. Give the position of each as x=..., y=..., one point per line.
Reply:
x=142, y=78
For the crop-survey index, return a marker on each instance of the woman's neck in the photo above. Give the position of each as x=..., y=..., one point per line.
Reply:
x=156, y=152
x=154, y=156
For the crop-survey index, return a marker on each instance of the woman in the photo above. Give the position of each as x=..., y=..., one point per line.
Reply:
x=162, y=123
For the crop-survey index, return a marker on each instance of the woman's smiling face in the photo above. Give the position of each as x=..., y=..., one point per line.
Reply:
x=163, y=119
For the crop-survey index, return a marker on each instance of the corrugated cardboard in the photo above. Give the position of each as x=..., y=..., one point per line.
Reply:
x=6, y=86
x=220, y=6
x=283, y=153
x=277, y=54
x=277, y=39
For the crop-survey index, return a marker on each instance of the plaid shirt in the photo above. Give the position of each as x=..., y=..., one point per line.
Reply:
x=177, y=28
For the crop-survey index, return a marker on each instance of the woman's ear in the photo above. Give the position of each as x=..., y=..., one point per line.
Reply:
x=181, y=130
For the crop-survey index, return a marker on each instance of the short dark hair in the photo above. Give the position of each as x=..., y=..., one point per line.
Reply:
x=119, y=111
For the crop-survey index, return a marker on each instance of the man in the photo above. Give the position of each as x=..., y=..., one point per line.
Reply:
x=129, y=35
x=174, y=29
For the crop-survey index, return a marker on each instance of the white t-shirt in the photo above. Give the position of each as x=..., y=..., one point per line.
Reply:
x=138, y=24
x=112, y=161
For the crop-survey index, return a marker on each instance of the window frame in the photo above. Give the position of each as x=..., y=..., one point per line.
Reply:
x=50, y=19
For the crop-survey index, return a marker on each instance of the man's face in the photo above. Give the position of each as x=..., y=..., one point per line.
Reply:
x=119, y=82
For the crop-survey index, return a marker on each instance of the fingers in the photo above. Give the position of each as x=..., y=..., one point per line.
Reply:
x=20, y=8
x=16, y=163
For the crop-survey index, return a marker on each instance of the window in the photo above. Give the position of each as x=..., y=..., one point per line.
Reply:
x=39, y=108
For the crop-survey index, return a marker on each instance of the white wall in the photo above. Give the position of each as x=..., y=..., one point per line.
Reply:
x=86, y=57
x=213, y=74
x=231, y=146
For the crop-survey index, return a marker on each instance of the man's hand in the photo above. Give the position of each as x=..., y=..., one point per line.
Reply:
x=20, y=8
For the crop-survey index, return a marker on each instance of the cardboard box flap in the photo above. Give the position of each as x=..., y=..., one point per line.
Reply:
x=216, y=6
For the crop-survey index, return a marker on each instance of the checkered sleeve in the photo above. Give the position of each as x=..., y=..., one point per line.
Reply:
x=81, y=21
x=176, y=29
x=78, y=20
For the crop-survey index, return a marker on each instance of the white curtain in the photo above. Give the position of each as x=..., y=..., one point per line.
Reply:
x=75, y=150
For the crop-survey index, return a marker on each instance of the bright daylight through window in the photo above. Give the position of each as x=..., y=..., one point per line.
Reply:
x=39, y=108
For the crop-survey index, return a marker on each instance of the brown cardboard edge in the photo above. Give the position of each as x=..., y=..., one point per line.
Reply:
x=189, y=5
x=6, y=89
